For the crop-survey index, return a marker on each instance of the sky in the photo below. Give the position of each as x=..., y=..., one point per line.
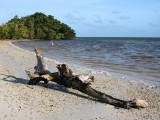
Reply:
x=93, y=18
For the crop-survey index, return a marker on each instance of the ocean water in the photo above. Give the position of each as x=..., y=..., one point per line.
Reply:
x=133, y=58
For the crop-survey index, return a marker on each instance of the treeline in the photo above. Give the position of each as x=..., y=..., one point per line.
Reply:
x=36, y=26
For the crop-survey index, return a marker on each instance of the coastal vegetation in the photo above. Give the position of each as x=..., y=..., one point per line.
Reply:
x=36, y=26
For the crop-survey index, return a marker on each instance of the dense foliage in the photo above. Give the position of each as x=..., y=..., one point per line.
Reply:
x=36, y=26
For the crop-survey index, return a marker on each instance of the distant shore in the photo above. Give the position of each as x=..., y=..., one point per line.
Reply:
x=21, y=101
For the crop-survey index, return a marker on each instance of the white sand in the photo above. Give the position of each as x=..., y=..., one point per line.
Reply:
x=20, y=101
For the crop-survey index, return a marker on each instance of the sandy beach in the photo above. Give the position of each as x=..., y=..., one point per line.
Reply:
x=55, y=102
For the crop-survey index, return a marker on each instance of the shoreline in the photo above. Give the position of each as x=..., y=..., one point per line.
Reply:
x=79, y=68
x=20, y=101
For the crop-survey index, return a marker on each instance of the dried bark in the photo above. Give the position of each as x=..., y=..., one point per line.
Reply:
x=82, y=83
x=41, y=67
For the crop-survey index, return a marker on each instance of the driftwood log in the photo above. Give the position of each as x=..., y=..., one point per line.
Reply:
x=82, y=83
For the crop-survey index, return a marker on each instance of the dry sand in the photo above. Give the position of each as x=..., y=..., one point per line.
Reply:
x=20, y=101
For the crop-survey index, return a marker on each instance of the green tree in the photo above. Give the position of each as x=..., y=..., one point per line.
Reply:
x=59, y=36
x=67, y=31
x=40, y=34
x=51, y=34
x=22, y=31
x=31, y=33
x=36, y=26
x=13, y=30
x=4, y=31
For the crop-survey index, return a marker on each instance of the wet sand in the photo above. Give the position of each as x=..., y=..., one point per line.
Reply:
x=55, y=102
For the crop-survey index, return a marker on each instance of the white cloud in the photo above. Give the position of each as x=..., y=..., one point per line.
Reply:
x=116, y=12
x=155, y=24
x=97, y=19
x=74, y=16
x=112, y=21
x=124, y=18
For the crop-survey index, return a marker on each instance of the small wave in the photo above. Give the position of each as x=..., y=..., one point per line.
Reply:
x=115, y=59
x=48, y=59
x=21, y=48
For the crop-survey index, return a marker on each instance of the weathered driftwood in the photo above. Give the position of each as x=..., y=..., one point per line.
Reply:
x=41, y=68
x=52, y=44
x=82, y=83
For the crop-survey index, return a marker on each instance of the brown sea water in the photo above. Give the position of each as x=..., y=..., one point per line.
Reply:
x=133, y=58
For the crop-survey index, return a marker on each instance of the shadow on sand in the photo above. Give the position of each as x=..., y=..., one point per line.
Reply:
x=54, y=86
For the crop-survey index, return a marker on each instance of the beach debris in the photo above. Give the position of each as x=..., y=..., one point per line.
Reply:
x=52, y=43
x=86, y=78
x=141, y=103
x=82, y=83
x=41, y=67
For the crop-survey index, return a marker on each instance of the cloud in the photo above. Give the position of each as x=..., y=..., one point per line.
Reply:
x=154, y=24
x=116, y=12
x=74, y=16
x=97, y=19
x=112, y=21
x=124, y=18
x=88, y=24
